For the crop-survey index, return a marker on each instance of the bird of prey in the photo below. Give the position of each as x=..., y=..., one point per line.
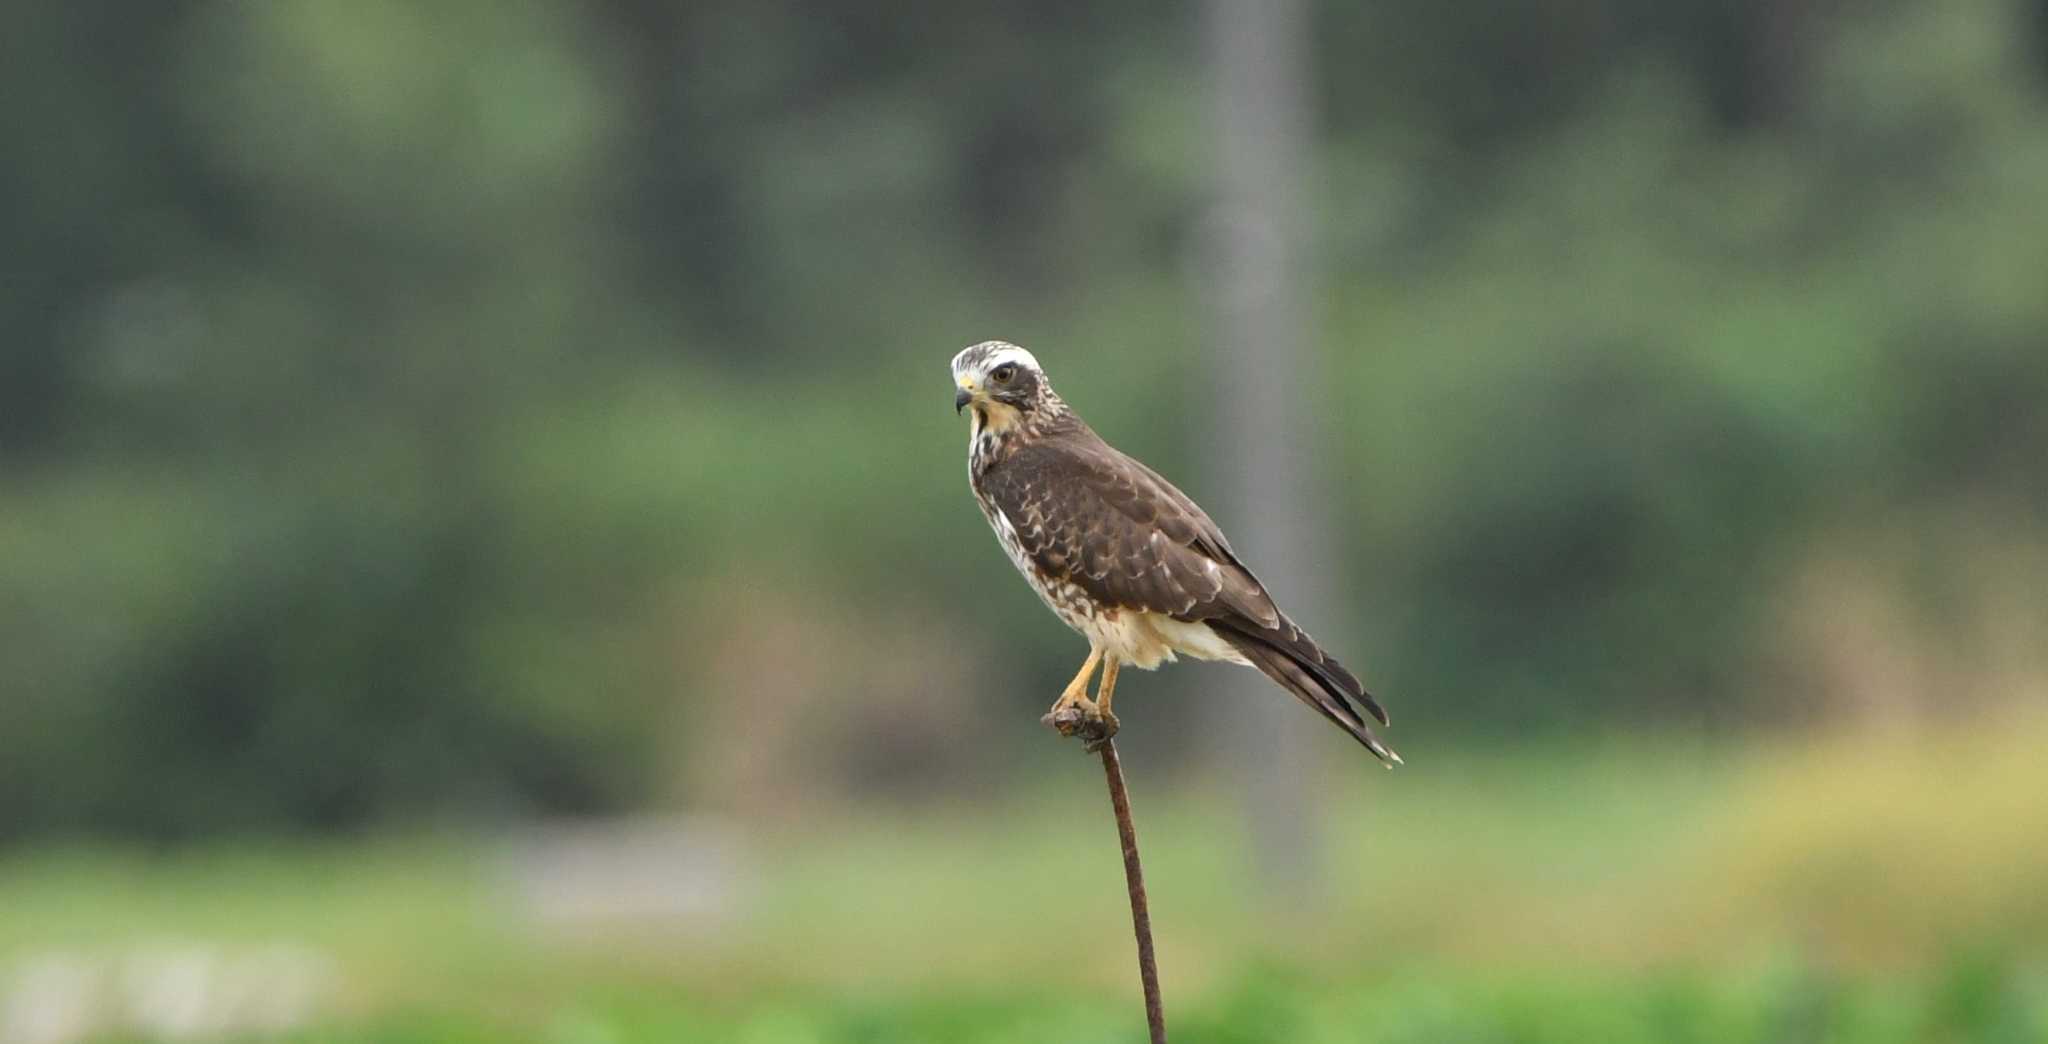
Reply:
x=1123, y=557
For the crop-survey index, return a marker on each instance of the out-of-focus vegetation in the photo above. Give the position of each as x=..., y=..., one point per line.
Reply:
x=419, y=421
x=1649, y=891
x=406, y=405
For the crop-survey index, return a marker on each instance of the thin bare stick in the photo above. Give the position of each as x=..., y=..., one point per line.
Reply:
x=1134, y=877
x=1097, y=735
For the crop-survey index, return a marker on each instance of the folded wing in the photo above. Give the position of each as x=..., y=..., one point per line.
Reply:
x=1089, y=514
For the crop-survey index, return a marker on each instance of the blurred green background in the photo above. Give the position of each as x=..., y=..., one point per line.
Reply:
x=485, y=551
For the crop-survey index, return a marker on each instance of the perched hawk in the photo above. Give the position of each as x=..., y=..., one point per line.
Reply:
x=1122, y=556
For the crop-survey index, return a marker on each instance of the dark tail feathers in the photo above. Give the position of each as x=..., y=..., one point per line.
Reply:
x=1302, y=668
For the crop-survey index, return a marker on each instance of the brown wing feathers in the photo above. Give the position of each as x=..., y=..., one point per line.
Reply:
x=1302, y=668
x=1085, y=512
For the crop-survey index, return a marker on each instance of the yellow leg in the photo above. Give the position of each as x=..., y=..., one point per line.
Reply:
x=1076, y=693
x=1107, y=687
x=1103, y=693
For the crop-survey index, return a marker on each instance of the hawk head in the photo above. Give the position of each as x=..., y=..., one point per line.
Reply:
x=1001, y=381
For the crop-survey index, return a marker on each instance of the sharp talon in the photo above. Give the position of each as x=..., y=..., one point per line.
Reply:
x=1065, y=720
x=1096, y=729
x=1081, y=718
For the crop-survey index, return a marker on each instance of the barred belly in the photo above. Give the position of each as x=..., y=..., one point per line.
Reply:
x=1064, y=597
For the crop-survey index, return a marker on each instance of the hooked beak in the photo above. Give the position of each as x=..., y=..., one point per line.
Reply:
x=961, y=398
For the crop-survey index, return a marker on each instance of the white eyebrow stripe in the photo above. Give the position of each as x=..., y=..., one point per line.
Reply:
x=1013, y=354
x=994, y=354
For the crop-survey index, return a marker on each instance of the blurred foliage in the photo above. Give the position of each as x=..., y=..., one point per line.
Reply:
x=472, y=407
x=1860, y=889
x=1971, y=1002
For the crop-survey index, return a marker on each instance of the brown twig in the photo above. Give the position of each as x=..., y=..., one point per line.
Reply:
x=1099, y=739
x=1134, y=876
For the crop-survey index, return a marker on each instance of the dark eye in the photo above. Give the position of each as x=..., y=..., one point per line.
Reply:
x=1004, y=372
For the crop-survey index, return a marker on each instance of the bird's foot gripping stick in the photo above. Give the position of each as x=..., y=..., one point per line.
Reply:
x=1074, y=714
x=1086, y=720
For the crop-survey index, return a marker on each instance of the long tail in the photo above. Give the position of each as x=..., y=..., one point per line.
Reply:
x=1293, y=659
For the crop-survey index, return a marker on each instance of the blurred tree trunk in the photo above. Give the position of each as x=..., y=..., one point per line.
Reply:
x=1262, y=403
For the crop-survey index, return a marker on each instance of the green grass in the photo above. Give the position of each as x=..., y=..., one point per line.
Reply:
x=1967, y=1000
x=1873, y=889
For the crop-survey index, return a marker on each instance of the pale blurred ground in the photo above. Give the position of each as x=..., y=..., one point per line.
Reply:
x=1867, y=878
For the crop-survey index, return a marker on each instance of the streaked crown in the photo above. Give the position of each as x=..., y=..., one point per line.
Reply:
x=980, y=360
